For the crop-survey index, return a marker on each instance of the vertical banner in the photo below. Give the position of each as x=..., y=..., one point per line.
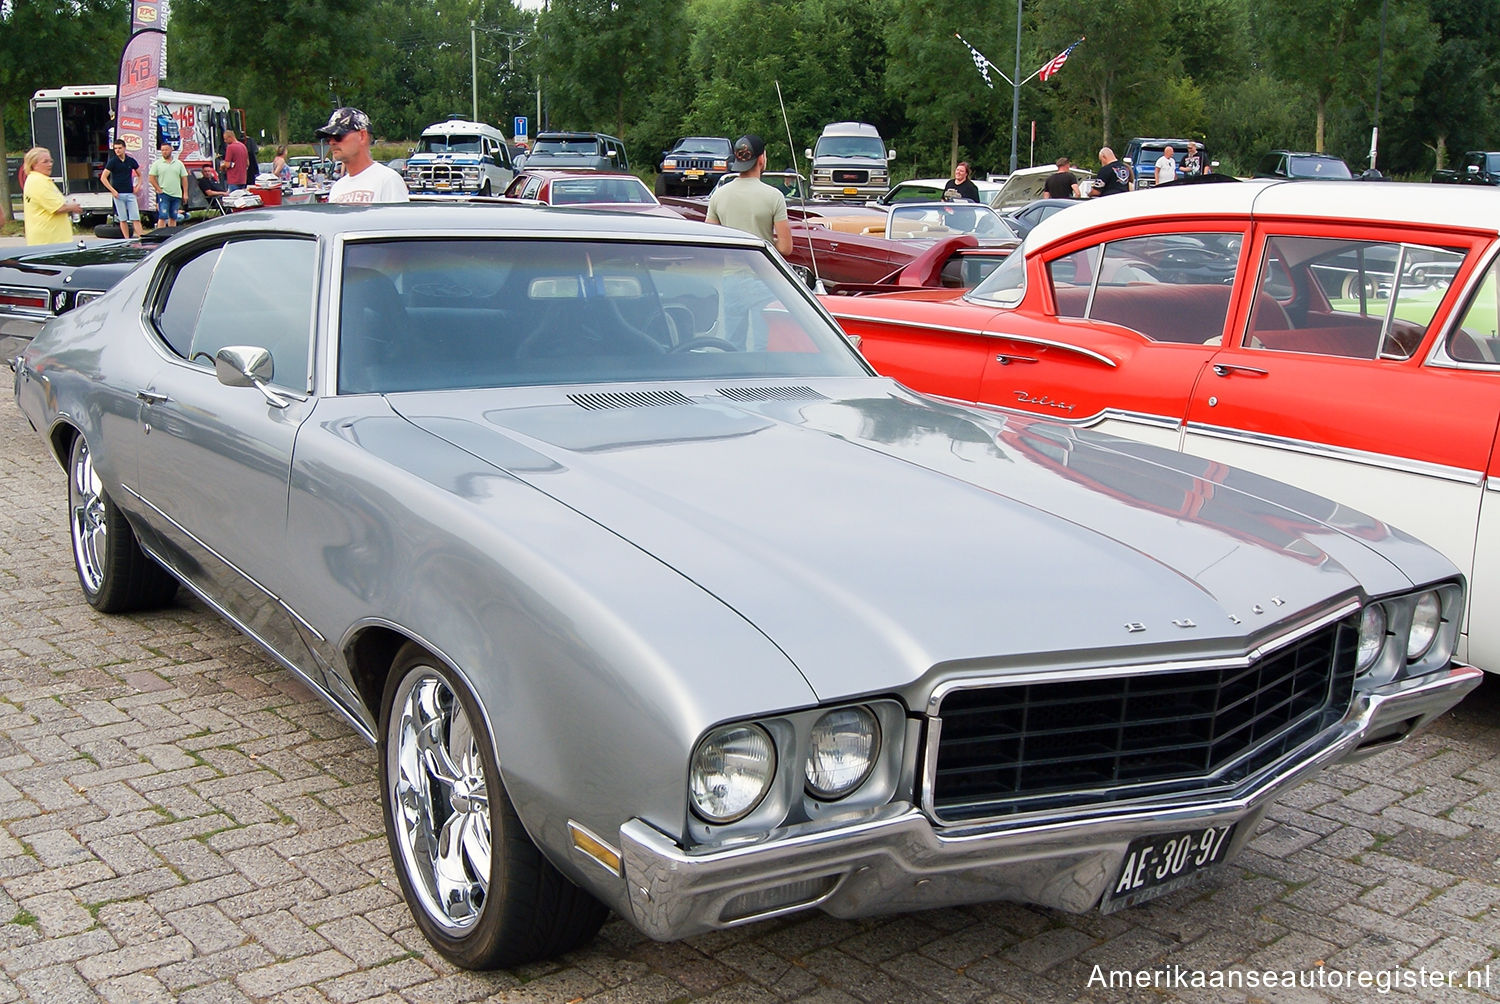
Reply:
x=143, y=64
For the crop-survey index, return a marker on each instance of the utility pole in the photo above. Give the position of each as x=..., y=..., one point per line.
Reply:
x=1015, y=90
x=474, y=67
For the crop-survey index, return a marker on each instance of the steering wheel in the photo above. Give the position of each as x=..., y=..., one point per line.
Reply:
x=705, y=342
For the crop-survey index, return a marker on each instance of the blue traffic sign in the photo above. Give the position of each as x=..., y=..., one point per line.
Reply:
x=520, y=129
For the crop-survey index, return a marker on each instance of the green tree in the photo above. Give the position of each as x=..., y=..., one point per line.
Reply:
x=52, y=45
x=603, y=57
x=274, y=59
x=1329, y=50
x=1116, y=76
x=945, y=97
x=1456, y=103
x=828, y=57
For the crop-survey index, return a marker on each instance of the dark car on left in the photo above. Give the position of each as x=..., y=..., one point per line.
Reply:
x=41, y=282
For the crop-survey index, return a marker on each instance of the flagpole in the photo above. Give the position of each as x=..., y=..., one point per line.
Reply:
x=1015, y=93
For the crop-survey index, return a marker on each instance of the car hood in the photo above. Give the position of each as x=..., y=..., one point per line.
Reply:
x=874, y=534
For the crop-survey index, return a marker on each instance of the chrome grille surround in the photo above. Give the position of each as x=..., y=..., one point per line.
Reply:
x=1050, y=742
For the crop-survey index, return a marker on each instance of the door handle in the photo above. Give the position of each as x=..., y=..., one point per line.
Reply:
x=151, y=397
x=1005, y=359
x=1225, y=369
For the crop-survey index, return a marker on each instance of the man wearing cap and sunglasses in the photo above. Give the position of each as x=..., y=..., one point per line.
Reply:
x=364, y=181
x=749, y=204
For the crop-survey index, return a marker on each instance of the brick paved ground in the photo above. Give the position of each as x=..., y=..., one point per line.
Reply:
x=181, y=820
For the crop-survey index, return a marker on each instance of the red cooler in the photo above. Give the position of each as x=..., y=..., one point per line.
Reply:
x=270, y=195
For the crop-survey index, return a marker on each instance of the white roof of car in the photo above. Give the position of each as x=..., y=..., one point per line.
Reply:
x=1458, y=206
x=461, y=125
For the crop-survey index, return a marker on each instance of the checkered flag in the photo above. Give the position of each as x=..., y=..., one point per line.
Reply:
x=980, y=63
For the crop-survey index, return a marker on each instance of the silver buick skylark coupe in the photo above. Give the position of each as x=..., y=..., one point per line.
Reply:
x=653, y=597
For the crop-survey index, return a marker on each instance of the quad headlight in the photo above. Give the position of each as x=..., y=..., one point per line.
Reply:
x=1372, y=624
x=1415, y=632
x=731, y=770
x=841, y=752
x=1426, y=620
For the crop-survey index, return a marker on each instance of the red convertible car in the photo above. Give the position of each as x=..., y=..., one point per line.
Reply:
x=1339, y=337
x=587, y=190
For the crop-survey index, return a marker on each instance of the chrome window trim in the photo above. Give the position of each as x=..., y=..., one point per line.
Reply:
x=1368, y=458
x=1437, y=356
x=943, y=690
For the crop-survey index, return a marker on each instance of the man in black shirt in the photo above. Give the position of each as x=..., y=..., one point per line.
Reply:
x=118, y=176
x=1114, y=177
x=960, y=186
x=1063, y=184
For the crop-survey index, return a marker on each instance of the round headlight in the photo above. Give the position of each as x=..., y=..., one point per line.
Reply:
x=731, y=770
x=1371, y=636
x=841, y=752
x=1426, y=618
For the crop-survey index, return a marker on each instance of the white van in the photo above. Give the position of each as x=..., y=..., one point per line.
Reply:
x=850, y=162
x=459, y=157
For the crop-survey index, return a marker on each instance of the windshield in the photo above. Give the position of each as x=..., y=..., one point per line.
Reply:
x=581, y=191
x=452, y=143
x=492, y=312
x=1318, y=167
x=1006, y=284
x=581, y=146
x=867, y=147
x=708, y=146
x=931, y=220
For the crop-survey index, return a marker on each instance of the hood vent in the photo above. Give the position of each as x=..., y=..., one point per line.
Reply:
x=629, y=399
x=771, y=394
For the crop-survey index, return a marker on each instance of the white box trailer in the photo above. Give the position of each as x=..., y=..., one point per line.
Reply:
x=77, y=125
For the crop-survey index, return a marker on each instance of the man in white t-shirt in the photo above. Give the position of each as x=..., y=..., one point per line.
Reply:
x=1166, y=167
x=364, y=181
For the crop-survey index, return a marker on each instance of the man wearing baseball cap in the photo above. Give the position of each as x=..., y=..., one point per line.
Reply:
x=749, y=204
x=364, y=181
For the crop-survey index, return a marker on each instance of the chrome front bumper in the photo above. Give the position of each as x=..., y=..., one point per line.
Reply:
x=894, y=860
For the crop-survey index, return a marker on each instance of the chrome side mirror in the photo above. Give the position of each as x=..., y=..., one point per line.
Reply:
x=248, y=366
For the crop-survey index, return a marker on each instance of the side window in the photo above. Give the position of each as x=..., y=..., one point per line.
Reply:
x=261, y=294
x=1352, y=298
x=177, y=316
x=533, y=186
x=1477, y=337
x=1169, y=287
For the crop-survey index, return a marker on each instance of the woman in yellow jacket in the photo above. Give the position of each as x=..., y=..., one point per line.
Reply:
x=47, y=211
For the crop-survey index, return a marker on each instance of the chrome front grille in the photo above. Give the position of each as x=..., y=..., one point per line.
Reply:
x=440, y=175
x=1003, y=750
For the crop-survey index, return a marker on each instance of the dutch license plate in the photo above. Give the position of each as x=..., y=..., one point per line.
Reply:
x=1165, y=862
x=851, y=191
x=693, y=173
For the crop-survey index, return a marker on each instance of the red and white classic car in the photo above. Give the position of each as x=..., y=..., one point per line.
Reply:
x=1340, y=337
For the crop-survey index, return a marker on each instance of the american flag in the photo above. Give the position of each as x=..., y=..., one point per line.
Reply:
x=1056, y=63
x=980, y=63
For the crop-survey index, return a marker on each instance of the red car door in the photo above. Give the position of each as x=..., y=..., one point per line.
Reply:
x=1115, y=334
x=1341, y=378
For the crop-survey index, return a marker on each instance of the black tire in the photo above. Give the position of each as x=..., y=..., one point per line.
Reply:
x=524, y=910
x=116, y=575
x=662, y=188
x=484, y=189
x=107, y=230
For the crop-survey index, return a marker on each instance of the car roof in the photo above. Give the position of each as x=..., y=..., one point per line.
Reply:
x=467, y=219
x=459, y=125
x=551, y=173
x=1461, y=208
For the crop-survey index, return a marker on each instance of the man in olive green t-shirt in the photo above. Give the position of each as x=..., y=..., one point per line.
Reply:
x=749, y=204
x=169, y=178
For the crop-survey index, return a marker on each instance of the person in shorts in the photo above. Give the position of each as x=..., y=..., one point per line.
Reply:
x=169, y=179
x=120, y=175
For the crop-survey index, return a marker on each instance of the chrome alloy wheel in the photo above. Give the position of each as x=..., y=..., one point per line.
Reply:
x=440, y=800
x=86, y=511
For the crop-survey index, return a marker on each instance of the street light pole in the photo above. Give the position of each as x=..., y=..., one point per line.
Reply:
x=474, y=68
x=1379, y=76
x=1015, y=93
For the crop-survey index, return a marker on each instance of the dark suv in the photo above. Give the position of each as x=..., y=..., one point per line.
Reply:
x=1290, y=164
x=693, y=163
x=578, y=151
